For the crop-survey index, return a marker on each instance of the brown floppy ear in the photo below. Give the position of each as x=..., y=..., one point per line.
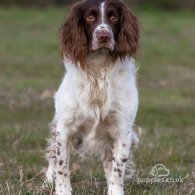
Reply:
x=128, y=37
x=73, y=39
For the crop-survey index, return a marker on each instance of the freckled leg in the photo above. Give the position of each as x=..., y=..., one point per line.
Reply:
x=51, y=154
x=121, y=150
x=62, y=181
x=107, y=163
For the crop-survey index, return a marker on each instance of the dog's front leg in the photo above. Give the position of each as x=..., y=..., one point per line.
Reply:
x=120, y=154
x=62, y=180
x=107, y=163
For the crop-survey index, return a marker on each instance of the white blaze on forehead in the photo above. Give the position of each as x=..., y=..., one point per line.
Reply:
x=102, y=6
x=102, y=26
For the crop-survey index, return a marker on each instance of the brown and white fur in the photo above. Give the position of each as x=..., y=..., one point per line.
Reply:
x=96, y=103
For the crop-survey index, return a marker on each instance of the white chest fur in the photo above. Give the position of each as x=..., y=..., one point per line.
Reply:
x=98, y=87
x=93, y=98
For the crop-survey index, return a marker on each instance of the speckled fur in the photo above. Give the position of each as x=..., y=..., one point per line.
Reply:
x=97, y=101
x=94, y=115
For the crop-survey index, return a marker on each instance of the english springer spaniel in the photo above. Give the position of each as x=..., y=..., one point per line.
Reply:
x=97, y=101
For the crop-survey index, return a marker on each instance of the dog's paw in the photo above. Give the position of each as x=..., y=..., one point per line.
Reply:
x=115, y=190
x=63, y=191
x=49, y=174
x=63, y=188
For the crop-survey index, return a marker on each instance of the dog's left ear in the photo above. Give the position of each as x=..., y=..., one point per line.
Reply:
x=128, y=37
x=73, y=39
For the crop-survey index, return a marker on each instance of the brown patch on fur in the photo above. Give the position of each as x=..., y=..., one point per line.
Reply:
x=58, y=151
x=73, y=40
x=61, y=162
x=128, y=38
x=124, y=160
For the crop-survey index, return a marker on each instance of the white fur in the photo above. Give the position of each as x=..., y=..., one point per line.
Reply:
x=103, y=100
x=103, y=11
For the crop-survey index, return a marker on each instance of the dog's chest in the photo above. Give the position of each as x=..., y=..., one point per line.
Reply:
x=96, y=96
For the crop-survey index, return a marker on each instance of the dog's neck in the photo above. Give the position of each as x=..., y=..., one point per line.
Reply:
x=98, y=61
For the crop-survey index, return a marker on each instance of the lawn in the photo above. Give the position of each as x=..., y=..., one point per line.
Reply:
x=31, y=70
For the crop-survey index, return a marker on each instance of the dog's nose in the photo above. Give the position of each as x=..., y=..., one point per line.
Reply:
x=103, y=37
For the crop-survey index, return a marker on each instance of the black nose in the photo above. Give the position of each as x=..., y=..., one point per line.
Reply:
x=104, y=37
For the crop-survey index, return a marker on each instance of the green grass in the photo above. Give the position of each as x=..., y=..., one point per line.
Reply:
x=31, y=70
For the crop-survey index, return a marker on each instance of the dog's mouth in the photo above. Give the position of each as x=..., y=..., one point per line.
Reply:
x=105, y=48
x=102, y=45
x=102, y=51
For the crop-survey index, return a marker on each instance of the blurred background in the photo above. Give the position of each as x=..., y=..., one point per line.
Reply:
x=168, y=4
x=31, y=70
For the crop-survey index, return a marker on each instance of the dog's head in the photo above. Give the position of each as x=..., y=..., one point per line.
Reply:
x=99, y=25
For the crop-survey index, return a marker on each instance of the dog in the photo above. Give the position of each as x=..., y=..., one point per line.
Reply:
x=97, y=101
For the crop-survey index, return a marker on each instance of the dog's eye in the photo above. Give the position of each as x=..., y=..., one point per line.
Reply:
x=90, y=18
x=113, y=19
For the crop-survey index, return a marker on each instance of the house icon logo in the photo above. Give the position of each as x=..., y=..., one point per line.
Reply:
x=159, y=170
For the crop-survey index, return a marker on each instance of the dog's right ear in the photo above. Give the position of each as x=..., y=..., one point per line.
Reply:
x=73, y=39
